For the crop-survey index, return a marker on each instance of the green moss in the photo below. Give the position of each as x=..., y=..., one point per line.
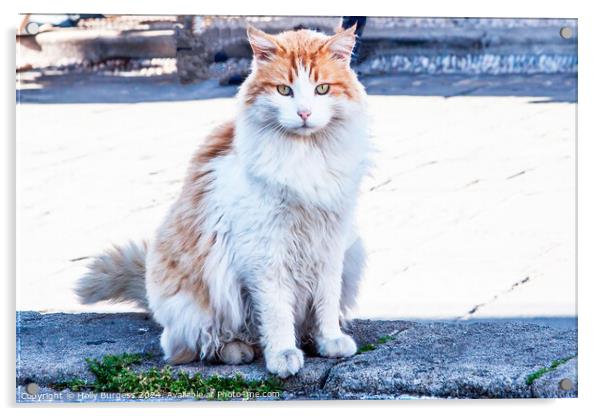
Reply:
x=539, y=373
x=113, y=373
x=371, y=347
x=384, y=339
x=73, y=384
x=366, y=348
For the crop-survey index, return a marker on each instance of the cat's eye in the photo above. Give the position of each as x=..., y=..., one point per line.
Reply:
x=284, y=90
x=322, y=89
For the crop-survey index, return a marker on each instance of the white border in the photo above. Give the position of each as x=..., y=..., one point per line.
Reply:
x=589, y=187
x=430, y=8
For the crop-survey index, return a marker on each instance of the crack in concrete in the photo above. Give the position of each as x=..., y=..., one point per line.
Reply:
x=324, y=379
x=522, y=172
x=76, y=259
x=380, y=185
x=494, y=298
x=471, y=183
x=395, y=175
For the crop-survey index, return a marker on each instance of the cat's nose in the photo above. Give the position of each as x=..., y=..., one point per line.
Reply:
x=304, y=115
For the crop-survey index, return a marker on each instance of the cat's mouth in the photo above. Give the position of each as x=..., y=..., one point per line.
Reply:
x=304, y=129
x=298, y=129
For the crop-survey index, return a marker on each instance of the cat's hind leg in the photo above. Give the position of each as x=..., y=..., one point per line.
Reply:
x=176, y=349
x=236, y=352
x=187, y=334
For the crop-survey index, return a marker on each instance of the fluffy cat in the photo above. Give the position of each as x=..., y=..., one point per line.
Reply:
x=259, y=251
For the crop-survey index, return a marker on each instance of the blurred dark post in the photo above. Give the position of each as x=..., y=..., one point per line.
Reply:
x=349, y=21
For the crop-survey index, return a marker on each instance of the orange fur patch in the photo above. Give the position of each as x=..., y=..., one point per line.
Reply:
x=297, y=49
x=181, y=244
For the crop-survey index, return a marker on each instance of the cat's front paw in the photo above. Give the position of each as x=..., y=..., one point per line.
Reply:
x=284, y=363
x=342, y=346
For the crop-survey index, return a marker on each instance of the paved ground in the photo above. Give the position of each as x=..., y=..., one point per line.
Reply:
x=421, y=360
x=470, y=211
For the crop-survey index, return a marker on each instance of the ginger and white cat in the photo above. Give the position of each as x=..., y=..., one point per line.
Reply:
x=259, y=251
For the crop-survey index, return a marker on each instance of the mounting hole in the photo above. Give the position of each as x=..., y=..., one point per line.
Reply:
x=32, y=388
x=32, y=28
x=566, y=32
x=566, y=384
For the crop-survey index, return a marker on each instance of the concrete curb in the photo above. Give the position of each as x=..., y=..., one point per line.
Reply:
x=435, y=360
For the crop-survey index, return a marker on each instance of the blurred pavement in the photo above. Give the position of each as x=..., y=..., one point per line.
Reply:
x=470, y=211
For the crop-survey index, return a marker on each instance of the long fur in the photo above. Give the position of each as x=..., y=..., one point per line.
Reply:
x=116, y=276
x=259, y=250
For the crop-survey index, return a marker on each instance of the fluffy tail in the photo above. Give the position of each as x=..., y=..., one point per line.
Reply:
x=117, y=276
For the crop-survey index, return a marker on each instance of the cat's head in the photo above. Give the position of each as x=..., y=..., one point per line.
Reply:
x=301, y=81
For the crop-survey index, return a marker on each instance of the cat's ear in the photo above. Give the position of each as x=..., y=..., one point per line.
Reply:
x=341, y=44
x=264, y=46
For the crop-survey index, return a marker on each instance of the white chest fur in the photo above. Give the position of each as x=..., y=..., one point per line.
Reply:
x=284, y=206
